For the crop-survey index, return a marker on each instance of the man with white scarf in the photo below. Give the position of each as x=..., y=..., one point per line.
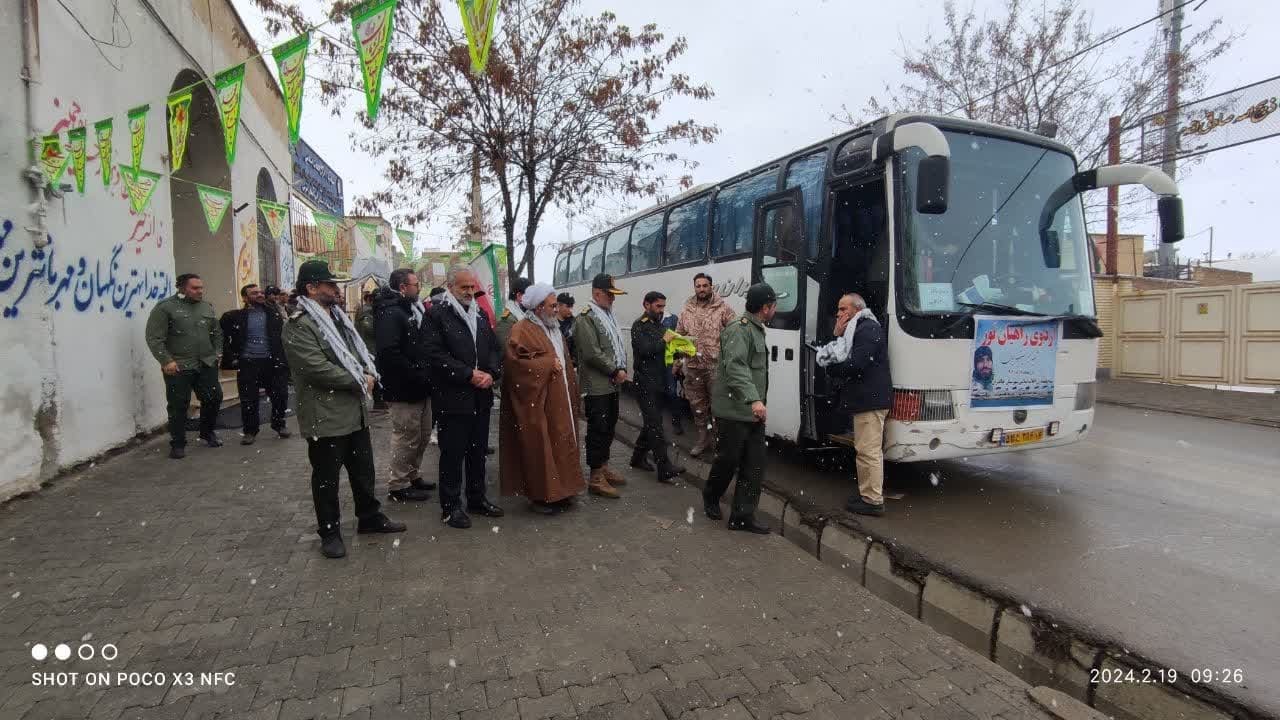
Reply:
x=334, y=377
x=858, y=357
x=539, y=427
x=602, y=369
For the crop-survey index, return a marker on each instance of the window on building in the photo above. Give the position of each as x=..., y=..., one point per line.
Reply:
x=593, y=261
x=646, y=251
x=735, y=205
x=616, y=250
x=575, y=264
x=807, y=173
x=687, y=232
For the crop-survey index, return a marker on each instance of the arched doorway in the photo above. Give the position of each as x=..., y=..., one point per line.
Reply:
x=268, y=262
x=195, y=249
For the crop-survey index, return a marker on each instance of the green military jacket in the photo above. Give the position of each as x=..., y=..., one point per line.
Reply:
x=596, y=362
x=184, y=331
x=364, y=322
x=330, y=401
x=503, y=330
x=742, y=374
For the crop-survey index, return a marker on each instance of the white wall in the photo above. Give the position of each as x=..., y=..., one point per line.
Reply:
x=75, y=376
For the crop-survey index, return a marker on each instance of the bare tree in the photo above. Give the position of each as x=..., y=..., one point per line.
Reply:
x=1026, y=67
x=570, y=107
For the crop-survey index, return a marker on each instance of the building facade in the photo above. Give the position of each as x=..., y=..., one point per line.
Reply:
x=79, y=272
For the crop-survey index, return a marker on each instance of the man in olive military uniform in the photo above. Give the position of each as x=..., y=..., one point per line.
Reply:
x=334, y=376
x=602, y=369
x=738, y=404
x=649, y=349
x=512, y=313
x=185, y=338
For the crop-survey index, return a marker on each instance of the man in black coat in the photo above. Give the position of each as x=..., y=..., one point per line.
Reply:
x=464, y=362
x=649, y=348
x=397, y=324
x=252, y=346
x=867, y=393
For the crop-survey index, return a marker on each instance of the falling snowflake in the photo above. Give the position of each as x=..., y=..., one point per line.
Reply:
x=688, y=516
x=86, y=637
x=395, y=543
x=933, y=479
x=253, y=581
x=17, y=594
x=495, y=529
x=98, y=514
x=143, y=523
x=453, y=663
x=1184, y=444
x=1026, y=611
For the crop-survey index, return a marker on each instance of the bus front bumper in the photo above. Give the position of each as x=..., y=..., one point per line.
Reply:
x=920, y=441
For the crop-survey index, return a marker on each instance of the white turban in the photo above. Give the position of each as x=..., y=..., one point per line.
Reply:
x=536, y=295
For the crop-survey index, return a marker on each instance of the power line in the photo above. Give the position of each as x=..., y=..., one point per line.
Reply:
x=1073, y=56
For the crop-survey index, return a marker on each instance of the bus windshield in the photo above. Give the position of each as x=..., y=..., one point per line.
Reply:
x=986, y=249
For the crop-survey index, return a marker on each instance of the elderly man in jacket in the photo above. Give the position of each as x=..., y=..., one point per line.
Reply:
x=704, y=316
x=334, y=376
x=602, y=369
x=860, y=358
x=397, y=326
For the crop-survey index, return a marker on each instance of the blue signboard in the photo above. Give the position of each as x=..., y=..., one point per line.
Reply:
x=314, y=180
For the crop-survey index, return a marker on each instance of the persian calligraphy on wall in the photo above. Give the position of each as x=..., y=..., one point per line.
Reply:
x=1221, y=121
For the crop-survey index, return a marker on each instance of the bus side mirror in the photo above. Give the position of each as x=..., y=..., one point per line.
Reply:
x=1051, y=246
x=1169, y=208
x=933, y=183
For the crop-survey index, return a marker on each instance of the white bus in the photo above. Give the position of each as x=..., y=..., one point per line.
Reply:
x=939, y=223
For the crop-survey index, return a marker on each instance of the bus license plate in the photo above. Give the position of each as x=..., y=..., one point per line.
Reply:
x=1022, y=437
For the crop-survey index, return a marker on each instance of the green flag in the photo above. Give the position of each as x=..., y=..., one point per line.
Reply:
x=179, y=122
x=53, y=159
x=140, y=184
x=77, y=139
x=228, y=85
x=372, y=23
x=277, y=216
x=406, y=241
x=103, y=129
x=215, y=202
x=477, y=19
x=137, y=133
x=328, y=226
x=291, y=59
x=370, y=233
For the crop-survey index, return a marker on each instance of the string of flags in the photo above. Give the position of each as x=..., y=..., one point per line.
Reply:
x=372, y=26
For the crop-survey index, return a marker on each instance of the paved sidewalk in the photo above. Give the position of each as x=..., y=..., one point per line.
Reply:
x=638, y=608
x=1245, y=407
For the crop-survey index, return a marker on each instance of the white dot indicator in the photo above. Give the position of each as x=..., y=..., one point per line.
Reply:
x=62, y=651
x=39, y=651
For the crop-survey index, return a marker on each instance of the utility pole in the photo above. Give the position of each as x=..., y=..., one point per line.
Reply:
x=1173, y=61
x=1113, y=197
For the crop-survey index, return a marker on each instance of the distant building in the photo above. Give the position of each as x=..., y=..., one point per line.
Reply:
x=317, y=188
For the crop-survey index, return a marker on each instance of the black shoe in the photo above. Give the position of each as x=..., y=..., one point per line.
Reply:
x=670, y=474
x=211, y=440
x=543, y=508
x=332, y=547
x=568, y=503
x=283, y=433
x=485, y=508
x=456, y=518
x=750, y=525
x=409, y=494
x=641, y=462
x=712, y=509
x=858, y=506
x=381, y=524
x=177, y=452
x=422, y=484
x=248, y=439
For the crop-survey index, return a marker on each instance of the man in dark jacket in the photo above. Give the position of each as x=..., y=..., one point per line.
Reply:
x=463, y=361
x=867, y=394
x=649, y=350
x=252, y=346
x=397, y=324
x=566, y=320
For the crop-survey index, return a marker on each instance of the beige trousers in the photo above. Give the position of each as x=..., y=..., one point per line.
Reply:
x=868, y=440
x=410, y=432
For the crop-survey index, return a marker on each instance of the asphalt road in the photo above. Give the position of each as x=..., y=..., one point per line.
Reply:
x=1159, y=531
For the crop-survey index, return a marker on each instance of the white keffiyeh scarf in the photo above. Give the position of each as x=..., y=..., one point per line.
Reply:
x=472, y=317
x=615, y=335
x=358, y=364
x=416, y=308
x=837, y=351
x=516, y=311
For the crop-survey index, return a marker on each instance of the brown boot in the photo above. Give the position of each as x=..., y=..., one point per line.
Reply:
x=704, y=441
x=614, y=478
x=599, y=485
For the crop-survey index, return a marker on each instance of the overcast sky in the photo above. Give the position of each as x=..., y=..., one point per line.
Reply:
x=780, y=74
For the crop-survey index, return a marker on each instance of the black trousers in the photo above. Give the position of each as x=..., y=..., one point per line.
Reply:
x=255, y=373
x=177, y=390
x=740, y=448
x=328, y=455
x=602, y=418
x=464, y=440
x=652, y=437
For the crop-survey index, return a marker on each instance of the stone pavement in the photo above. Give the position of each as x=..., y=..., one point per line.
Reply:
x=638, y=608
x=1246, y=407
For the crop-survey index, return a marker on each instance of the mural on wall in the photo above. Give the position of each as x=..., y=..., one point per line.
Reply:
x=247, y=255
x=33, y=275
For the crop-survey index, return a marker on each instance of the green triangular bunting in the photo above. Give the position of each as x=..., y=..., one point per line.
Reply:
x=228, y=84
x=277, y=216
x=406, y=241
x=477, y=19
x=328, y=226
x=137, y=133
x=103, y=129
x=291, y=59
x=141, y=184
x=53, y=159
x=179, y=122
x=373, y=22
x=215, y=202
x=77, y=139
x=370, y=233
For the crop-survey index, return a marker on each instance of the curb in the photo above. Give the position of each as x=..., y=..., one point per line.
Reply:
x=1060, y=662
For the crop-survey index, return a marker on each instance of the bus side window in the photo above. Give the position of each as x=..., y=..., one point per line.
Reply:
x=687, y=232
x=615, y=251
x=807, y=173
x=646, y=251
x=735, y=208
x=575, y=264
x=562, y=268
x=593, y=261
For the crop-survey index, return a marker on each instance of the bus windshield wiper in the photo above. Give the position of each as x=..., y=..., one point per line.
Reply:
x=1000, y=308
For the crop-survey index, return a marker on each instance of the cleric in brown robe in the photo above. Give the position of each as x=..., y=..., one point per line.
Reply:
x=538, y=438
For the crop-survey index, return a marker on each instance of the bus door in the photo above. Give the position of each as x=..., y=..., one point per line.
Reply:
x=778, y=258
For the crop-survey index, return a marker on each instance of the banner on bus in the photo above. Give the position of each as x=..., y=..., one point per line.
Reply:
x=1014, y=362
